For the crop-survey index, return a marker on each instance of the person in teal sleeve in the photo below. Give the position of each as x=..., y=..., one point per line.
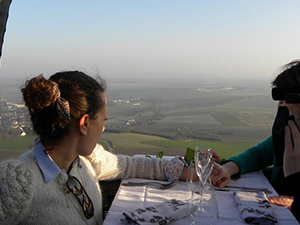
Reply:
x=262, y=156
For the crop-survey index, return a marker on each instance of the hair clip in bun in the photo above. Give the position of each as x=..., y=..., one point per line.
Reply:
x=63, y=108
x=62, y=105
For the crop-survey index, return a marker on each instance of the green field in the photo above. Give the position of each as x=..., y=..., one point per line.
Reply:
x=228, y=120
x=128, y=143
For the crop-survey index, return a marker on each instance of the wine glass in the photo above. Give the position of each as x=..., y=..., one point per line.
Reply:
x=204, y=166
x=192, y=179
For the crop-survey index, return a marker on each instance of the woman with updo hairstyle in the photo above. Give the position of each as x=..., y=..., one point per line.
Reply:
x=65, y=97
x=57, y=181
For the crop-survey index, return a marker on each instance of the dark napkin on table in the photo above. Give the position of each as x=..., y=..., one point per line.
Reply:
x=255, y=208
x=162, y=213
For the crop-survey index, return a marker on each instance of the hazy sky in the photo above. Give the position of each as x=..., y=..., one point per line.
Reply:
x=145, y=38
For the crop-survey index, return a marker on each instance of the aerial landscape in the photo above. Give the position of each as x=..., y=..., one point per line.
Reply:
x=178, y=75
x=191, y=82
x=149, y=117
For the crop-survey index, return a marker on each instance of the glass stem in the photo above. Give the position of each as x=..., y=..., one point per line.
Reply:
x=192, y=195
x=201, y=197
x=201, y=194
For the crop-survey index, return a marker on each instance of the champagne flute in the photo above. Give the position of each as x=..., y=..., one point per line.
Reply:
x=204, y=166
x=192, y=179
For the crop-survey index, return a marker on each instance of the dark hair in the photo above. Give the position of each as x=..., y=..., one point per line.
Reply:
x=55, y=103
x=290, y=75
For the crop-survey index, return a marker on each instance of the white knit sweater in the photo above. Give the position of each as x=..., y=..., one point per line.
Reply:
x=25, y=198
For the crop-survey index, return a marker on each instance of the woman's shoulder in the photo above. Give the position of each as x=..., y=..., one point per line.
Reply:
x=99, y=158
x=15, y=168
x=16, y=185
x=99, y=154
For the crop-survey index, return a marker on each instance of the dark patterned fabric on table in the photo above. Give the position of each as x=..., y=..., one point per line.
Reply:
x=160, y=214
x=255, y=208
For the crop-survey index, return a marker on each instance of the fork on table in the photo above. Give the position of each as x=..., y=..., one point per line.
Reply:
x=153, y=184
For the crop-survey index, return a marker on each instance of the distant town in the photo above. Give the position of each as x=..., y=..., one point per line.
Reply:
x=14, y=120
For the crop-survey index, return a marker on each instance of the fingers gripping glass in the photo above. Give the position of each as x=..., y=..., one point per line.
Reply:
x=77, y=189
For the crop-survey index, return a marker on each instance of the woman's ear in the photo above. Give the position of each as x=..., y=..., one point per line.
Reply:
x=84, y=123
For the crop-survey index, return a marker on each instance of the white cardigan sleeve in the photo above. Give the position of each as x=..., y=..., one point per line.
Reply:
x=16, y=192
x=111, y=166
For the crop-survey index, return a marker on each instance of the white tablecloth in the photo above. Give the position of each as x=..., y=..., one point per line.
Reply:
x=131, y=198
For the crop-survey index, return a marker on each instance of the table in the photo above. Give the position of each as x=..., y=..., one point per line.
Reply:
x=131, y=198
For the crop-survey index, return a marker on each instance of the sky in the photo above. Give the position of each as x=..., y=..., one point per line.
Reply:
x=151, y=38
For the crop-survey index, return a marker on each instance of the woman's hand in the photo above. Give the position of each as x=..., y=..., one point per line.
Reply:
x=220, y=175
x=282, y=200
x=291, y=157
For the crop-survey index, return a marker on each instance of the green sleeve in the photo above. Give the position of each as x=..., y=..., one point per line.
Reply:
x=255, y=158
